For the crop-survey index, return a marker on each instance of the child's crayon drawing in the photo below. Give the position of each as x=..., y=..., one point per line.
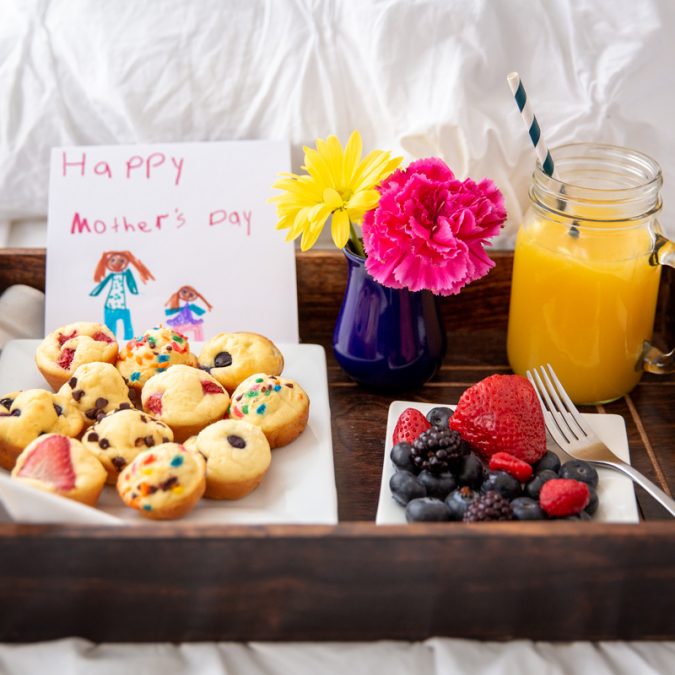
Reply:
x=185, y=313
x=113, y=269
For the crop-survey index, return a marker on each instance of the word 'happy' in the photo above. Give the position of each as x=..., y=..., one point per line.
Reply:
x=136, y=166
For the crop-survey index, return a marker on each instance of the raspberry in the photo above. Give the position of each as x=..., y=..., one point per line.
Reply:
x=153, y=404
x=562, y=497
x=504, y=461
x=436, y=448
x=211, y=388
x=65, y=359
x=490, y=506
x=62, y=339
x=100, y=336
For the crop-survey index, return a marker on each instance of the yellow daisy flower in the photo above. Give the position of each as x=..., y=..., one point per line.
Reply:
x=337, y=184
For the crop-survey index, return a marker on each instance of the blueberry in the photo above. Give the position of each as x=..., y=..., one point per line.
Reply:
x=404, y=486
x=525, y=508
x=549, y=461
x=426, y=509
x=437, y=485
x=533, y=487
x=458, y=501
x=222, y=360
x=592, y=505
x=438, y=417
x=470, y=471
x=500, y=481
x=400, y=455
x=578, y=470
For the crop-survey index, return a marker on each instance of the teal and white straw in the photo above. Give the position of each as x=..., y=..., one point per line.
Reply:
x=543, y=155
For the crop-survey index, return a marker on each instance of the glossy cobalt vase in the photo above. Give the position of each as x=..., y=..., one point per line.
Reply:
x=387, y=338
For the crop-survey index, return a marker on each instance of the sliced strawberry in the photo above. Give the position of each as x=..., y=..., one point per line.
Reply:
x=503, y=461
x=100, y=336
x=65, y=359
x=62, y=339
x=153, y=404
x=50, y=463
x=410, y=424
x=211, y=387
x=502, y=414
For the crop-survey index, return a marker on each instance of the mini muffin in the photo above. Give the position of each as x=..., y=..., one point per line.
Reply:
x=28, y=414
x=187, y=399
x=95, y=389
x=68, y=347
x=155, y=351
x=163, y=483
x=118, y=437
x=237, y=457
x=56, y=463
x=280, y=407
x=232, y=357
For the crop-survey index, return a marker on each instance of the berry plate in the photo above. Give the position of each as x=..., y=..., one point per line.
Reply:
x=298, y=488
x=615, y=491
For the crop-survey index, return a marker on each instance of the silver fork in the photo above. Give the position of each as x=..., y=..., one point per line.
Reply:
x=574, y=435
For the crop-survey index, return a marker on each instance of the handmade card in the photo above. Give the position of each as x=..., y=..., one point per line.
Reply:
x=179, y=234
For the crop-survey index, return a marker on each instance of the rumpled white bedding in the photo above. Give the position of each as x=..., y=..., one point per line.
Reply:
x=437, y=656
x=423, y=78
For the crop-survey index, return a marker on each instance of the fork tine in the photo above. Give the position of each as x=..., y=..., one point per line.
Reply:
x=576, y=431
x=576, y=415
x=559, y=432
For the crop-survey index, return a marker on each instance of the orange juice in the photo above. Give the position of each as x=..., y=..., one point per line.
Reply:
x=583, y=299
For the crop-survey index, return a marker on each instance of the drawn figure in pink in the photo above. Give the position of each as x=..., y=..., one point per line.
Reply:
x=185, y=318
x=114, y=266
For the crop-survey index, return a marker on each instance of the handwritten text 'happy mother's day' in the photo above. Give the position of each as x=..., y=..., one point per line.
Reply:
x=155, y=167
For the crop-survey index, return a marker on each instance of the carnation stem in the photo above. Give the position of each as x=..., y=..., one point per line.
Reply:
x=355, y=240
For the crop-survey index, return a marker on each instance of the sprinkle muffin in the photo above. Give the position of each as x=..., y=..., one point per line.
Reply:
x=118, y=437
x=155, y=351
x=187, y=399
x=58, y=464
x=163, y=483
x=280, y=407
x=28, y=414
x=232, y=357
x=67, y=348
x=237, y=457
x=95, y=389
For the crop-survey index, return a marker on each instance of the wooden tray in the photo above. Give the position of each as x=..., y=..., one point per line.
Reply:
x=357, y=581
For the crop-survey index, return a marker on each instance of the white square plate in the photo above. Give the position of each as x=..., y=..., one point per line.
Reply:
x=298, y=488
x=615, y=491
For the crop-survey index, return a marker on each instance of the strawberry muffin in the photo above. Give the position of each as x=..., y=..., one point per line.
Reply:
x=163, y=483
x=237, y=457
x=280, y=407
x=67, y=348
x=95, y=389
x=187, y=399
x=232, y=357
x=25, y=415
x=59, y=464
x=155, y=351
x=118, y=437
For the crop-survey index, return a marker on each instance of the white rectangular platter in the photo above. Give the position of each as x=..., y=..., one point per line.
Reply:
x=616, y=495
x=298, y=488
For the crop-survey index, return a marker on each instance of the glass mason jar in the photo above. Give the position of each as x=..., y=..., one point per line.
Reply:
x=586, y=272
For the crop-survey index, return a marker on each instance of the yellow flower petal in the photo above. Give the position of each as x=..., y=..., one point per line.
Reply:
x=310, y=235
x=352, y=157
x=332, y=199
x=364, y=200
x=340, y=228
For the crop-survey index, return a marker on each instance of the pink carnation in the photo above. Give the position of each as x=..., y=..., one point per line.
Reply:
x=429, y=229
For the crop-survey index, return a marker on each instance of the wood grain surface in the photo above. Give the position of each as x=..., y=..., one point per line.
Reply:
x=356, y=581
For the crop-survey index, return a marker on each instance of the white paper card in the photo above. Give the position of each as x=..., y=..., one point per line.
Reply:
x=179, y=234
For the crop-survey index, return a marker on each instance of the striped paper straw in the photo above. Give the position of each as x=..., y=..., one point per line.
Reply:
x=543, y=155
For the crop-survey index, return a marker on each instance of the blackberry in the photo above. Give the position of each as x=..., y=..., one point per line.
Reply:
x=435, y=449
x=490, y=506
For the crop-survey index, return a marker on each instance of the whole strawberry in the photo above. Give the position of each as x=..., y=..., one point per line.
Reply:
x=502, y=414
x=410, y=424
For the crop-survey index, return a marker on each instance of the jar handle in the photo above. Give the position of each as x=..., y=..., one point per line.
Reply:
x=653, y=359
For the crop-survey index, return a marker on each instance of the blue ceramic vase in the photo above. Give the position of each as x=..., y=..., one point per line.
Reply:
x=387, y=338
